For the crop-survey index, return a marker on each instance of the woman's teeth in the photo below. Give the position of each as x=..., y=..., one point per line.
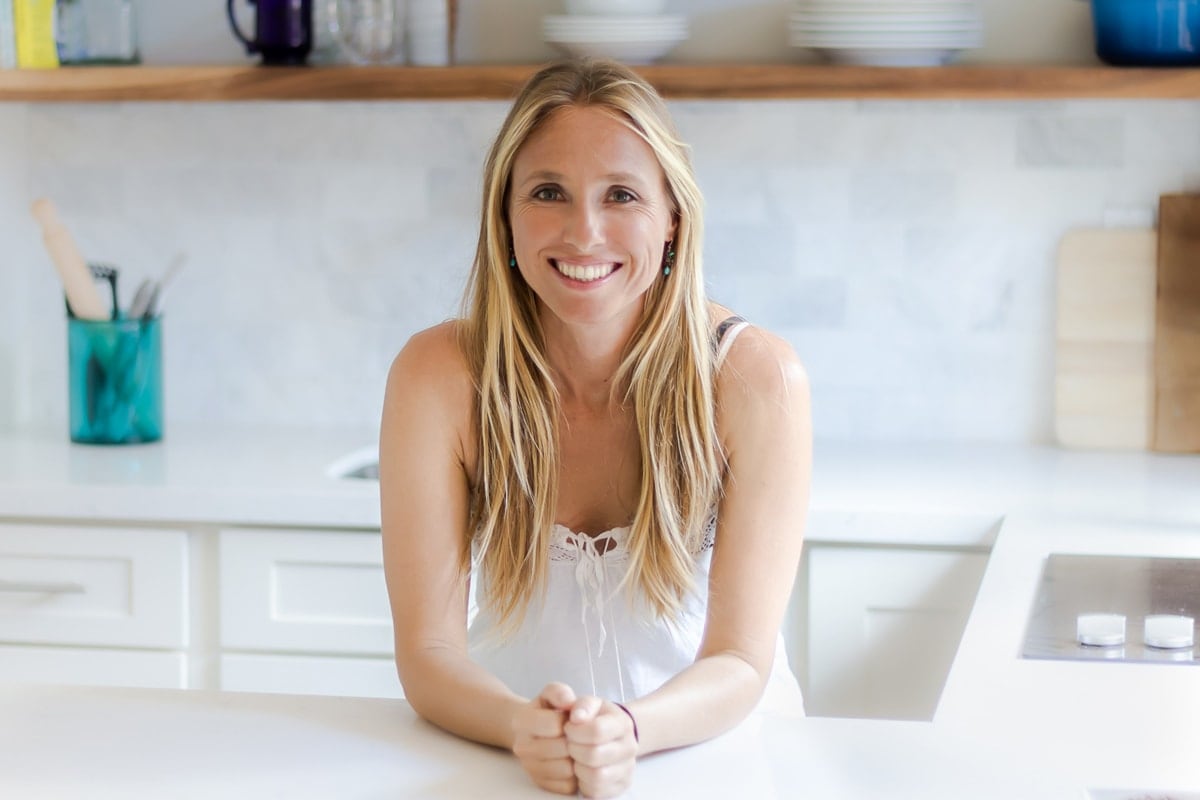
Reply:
x=586, y=273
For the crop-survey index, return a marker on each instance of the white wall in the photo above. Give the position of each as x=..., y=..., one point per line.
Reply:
x=905, y=248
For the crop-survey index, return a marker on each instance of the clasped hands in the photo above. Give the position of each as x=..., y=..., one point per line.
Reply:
x=572, y=744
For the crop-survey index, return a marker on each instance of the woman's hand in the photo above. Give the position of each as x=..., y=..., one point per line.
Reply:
x=539, y=740
x=601, y=743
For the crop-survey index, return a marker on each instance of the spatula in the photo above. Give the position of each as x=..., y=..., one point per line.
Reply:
x=82, y=296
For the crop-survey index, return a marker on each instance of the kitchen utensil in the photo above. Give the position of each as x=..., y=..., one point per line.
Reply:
x=283, y=30
x=369, y=31
x=1103, y=383
x=1177, y=330
x=83, y=299
x=141, y=299
x=108, y=273
x=1147, y=32
x=159, y=288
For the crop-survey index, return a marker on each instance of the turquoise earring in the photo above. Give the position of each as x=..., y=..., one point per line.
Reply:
x=669, y=259
x=512, y=260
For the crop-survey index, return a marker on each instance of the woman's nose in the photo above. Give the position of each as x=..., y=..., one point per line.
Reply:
x=583, y=227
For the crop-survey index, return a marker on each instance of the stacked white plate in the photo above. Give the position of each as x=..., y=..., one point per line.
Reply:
x=887, y=33
x=633, y=39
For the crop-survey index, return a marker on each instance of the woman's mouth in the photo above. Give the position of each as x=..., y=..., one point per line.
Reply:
x=585, y=273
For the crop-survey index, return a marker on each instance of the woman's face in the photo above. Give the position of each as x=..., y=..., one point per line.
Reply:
x=590, y=216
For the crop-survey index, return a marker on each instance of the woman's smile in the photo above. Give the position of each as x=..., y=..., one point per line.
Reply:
x=585, y=271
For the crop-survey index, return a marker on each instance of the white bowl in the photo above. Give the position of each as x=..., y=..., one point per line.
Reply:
x=644, y=52
x=609, y=8
x=594, y=29
x=890, y=57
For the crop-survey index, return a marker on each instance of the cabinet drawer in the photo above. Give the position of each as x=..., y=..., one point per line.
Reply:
x=93, y=586
x=93, y=667
x=330, y=675
x=304, y=591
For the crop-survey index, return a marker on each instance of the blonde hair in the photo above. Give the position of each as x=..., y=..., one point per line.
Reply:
x=666, y=373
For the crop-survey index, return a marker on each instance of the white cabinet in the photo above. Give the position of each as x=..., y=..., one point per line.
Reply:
x=881, y=626
x=93, y=605
x=879, y=606
x=305, y=611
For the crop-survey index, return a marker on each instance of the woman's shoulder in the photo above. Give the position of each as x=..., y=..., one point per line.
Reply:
x=433, y=358
x=757, y=360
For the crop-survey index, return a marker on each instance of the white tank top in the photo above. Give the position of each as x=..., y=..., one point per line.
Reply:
x=588, y=632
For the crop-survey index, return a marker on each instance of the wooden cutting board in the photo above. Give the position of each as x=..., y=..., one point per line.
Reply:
x=1104, y=344
x=1176, y=417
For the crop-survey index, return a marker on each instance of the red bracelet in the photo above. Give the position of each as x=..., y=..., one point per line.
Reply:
x=631, y=719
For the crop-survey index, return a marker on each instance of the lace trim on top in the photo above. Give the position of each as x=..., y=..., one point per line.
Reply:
x=568, y=545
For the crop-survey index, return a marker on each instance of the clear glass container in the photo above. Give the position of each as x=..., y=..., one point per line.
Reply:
x=96, y=32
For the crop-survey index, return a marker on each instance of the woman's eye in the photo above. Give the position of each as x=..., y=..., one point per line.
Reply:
x=546, y=193
x=622, y=196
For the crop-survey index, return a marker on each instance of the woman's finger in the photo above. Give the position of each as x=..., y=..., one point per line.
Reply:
x=608, y=781
x=557, y=695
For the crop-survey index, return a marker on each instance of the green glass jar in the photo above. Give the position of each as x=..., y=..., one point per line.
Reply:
x=115, y=380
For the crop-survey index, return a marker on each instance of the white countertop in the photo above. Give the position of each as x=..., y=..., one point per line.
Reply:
x=280, y=477
x=1111, y=724
x=127, y=744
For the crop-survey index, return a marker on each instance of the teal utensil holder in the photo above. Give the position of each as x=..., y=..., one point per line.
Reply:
x=115, y=379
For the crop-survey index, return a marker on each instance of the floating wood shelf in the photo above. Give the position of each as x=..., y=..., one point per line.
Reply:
x=499, y=82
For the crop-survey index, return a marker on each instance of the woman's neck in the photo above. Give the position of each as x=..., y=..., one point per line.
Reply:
x=585, y=359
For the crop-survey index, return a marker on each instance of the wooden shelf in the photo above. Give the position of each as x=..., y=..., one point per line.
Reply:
x=499, y=82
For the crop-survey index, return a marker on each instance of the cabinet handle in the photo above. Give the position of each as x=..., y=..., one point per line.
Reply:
x=42, y=588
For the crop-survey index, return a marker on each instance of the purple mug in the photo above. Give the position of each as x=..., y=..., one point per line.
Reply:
x=283, y=30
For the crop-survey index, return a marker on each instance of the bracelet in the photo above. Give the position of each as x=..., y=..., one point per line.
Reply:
x=631, y=719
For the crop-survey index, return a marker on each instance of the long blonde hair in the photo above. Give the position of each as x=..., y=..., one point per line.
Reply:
x=666, y=372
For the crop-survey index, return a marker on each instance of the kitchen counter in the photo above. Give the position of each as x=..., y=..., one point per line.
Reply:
x=134, y=744
x=279, y=477
x=1111, y=724
x=1004, y=727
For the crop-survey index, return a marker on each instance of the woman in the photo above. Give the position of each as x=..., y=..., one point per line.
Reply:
x=621, y=464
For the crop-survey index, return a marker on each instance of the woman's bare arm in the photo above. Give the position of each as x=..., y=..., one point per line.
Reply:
x=424, y=489
x=764, y=422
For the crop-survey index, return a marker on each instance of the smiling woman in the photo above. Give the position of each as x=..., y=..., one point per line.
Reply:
x=620, y=464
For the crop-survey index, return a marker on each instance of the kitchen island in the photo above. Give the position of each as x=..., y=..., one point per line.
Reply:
x=1005, y=726
x=142, y=744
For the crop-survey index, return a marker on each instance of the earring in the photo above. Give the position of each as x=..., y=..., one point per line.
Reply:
x=669, y=259
x=512, y=260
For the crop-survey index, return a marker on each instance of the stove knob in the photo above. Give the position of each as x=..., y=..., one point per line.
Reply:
x=1169, y=631
x=1100, y=630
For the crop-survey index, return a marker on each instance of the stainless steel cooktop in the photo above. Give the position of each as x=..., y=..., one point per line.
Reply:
x=1132, y=586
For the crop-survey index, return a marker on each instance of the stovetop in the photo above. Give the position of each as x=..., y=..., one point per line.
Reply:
x=1133, y=586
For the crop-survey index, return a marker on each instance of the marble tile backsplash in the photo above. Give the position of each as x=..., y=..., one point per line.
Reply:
x=905, y=249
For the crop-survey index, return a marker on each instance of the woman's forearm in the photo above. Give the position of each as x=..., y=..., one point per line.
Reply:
x=448, y=689
x=708, y=698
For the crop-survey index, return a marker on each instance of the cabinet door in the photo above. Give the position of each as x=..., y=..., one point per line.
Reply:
x=347, y=677
x=92, y=667
x=883, y=627
x=93, y=586
x=304, y=592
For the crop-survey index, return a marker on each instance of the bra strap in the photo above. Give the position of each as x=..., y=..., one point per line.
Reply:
x=726, y=332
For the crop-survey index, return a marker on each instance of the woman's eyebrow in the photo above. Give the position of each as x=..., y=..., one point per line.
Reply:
x=543, y=175
x=557, y=177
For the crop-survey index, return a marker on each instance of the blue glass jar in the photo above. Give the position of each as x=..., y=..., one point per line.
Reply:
x=115, y=380
x=1152, y=33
